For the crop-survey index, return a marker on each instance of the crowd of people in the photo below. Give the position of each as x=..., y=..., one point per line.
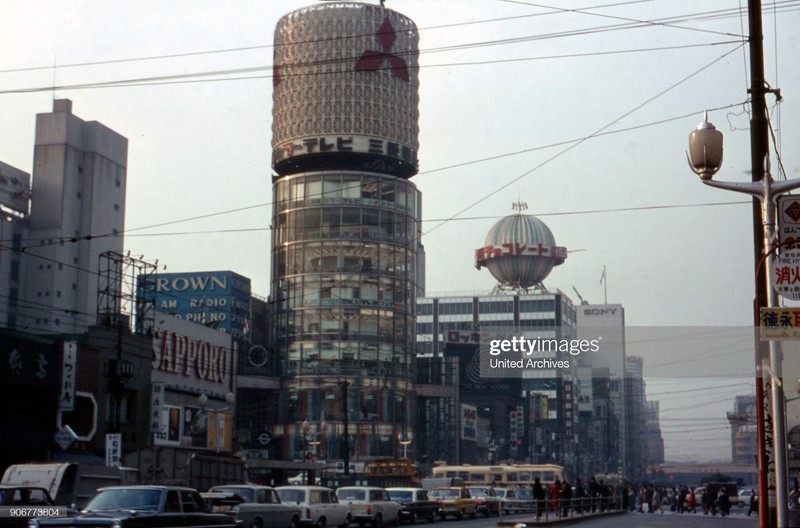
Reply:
x=564, y=498
x=685, y=499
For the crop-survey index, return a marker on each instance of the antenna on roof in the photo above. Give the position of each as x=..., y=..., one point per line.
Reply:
x=579, y=296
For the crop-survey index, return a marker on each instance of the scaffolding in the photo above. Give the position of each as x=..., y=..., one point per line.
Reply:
x=126, y=293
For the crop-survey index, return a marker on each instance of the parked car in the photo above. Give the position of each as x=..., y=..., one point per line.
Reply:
x=16, y=495
x=141, y=507
x=414, y=504
x=486, y=500
x=318, y=505
x=508, y=500
x=253, y=506
x=525, y=499
x=369, y=504
x=454, y=501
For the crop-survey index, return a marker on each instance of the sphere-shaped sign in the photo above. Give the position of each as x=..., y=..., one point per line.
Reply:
x=520, y=251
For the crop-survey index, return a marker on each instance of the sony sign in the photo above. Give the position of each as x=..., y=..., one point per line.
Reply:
x=599, y=311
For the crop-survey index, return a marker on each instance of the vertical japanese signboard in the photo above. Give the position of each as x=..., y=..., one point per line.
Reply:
x=66, y=402
x=113, y=450
x=156, y=404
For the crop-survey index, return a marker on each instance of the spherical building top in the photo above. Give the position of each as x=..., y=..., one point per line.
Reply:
x=520, y=251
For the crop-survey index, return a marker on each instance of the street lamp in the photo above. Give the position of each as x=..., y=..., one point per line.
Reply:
x=405, y=439
x=705, y=159
x=313, y=437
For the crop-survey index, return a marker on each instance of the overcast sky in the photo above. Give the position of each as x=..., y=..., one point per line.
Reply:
x=580, y=109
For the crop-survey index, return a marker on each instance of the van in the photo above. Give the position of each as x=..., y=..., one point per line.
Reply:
x=318, y=505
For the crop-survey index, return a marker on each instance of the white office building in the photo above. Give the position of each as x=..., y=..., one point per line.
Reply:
x=77, y=213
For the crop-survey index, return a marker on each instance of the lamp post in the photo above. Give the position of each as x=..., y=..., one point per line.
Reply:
x=312, y=438
x=705, y=159
x=405, y=439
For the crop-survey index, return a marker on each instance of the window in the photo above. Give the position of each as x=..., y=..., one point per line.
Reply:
x=190, y=502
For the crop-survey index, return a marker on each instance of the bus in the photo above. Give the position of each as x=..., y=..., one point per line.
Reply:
x=502, y=474
x=382, y=472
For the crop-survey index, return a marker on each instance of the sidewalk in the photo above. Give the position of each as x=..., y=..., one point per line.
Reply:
x=552, y=519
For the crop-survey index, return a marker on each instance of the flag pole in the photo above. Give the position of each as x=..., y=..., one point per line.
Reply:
x=604, y=282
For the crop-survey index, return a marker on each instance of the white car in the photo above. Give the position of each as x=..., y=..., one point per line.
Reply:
x=371, y=505
x=319, y=505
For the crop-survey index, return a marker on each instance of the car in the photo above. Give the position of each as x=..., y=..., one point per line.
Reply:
x=319, y=506
x=486, y=500
x=370, y=504
x=415, y=504
x=253, y=506
x=744, y=497
x=20, y=495
x=509, y=503
x=454, y=501
x=525, y=500
x=141, y=507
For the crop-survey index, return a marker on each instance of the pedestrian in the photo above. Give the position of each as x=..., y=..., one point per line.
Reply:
x=691, y=501
x=594, y=493
x=566, y=498
x=648, y=498
x=555, y=496
x=753, y=502
x=723, y=502
x=539, y=496
x=657, y=500
x=794, y=497
x=706, y=501
x=580, y=493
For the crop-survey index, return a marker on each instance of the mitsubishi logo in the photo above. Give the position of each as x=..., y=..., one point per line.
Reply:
x=373, y=60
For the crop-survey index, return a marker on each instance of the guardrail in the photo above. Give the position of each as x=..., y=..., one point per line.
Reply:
x=561, y=509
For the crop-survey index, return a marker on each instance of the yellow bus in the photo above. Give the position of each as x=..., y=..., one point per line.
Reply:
x=502, y=474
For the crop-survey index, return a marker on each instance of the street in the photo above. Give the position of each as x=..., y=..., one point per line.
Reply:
x=622, y=520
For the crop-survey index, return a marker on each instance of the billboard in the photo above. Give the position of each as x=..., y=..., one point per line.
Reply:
x=15, y=188
x=187, y=355
x=216, y=299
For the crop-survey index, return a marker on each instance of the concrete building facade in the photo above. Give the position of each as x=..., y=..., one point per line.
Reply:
x=603, y=388
x=533, y=418
x=77, y=213
x=14, y=207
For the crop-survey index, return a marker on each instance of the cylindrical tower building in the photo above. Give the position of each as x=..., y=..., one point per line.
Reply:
x=346, y=227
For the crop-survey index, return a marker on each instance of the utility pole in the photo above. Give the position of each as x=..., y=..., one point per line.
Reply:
x=759, y=151
x=346, y=440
